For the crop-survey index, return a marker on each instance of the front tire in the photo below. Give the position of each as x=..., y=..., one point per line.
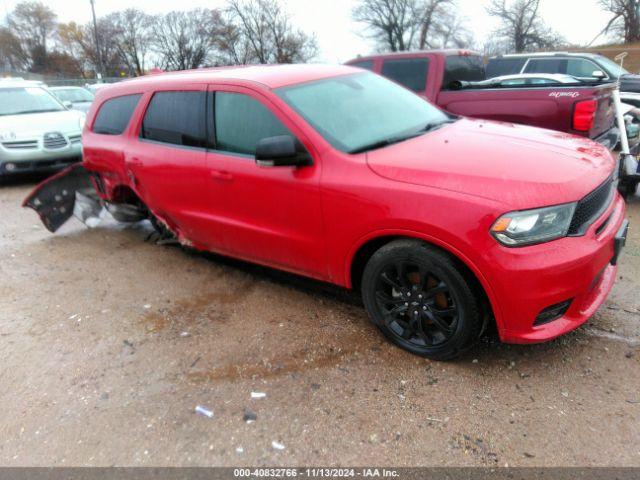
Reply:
x=422, y=300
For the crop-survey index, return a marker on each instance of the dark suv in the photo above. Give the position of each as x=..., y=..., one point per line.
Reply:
x=585, y=66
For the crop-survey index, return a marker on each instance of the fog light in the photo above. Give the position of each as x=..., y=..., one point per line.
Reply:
x=10, y=167
x=552, y=312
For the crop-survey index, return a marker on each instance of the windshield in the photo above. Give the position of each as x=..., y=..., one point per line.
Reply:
x=611, y=67
x=362, y=111
x=74, y=95
x=24, y=100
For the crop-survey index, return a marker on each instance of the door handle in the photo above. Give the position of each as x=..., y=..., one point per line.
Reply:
x=221, y=175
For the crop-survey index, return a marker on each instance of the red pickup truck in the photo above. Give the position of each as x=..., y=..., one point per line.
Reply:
x=446, y=78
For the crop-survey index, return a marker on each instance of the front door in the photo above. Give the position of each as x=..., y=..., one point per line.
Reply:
x=270, y=215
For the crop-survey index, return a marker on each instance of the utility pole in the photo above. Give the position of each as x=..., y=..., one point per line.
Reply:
x=97, y=41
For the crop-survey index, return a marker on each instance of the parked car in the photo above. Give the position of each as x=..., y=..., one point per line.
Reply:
x=526, y=79
x=443, y=223
x=94, y=87
x=585, y=66
x=37, y=132
x=76, y=98
x=449, y=78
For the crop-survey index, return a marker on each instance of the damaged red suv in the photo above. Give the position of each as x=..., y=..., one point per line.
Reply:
x=444, y=223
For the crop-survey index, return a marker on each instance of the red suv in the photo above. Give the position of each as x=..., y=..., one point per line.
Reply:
x=444, y=223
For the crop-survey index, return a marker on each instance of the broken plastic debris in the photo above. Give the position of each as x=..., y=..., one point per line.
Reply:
x=73, y=316
x=277, y=445
x=258, y=394
x=146, y=306
x=184, y=334
x=204, y=411
x=249, y=416
x=239, y=449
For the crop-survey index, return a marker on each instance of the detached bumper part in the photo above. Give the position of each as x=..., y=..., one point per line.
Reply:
x=72, y=193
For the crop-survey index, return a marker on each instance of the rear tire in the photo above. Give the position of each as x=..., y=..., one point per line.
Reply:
x=422, y=299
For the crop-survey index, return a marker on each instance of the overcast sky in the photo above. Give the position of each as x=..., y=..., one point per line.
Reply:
x=338, y=36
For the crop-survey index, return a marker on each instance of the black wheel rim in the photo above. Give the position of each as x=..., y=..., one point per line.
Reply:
x=417, y=305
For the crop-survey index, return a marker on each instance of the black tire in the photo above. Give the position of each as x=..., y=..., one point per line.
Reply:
x=422, y=299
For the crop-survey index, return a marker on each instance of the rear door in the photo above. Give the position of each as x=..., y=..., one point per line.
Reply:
x=270, y=215
x=167, y=162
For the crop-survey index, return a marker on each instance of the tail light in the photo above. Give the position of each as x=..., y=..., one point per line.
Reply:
x=584, y=114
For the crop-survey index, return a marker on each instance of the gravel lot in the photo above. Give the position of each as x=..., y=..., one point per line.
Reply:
x=108, y=343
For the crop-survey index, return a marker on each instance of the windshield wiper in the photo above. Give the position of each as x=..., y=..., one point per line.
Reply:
x=401, y=138
x=25, y=112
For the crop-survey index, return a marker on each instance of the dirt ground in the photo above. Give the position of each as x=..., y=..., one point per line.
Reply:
x=108, y=343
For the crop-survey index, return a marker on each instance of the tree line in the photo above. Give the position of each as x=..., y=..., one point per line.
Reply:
x=130, y=42
x=398, y=25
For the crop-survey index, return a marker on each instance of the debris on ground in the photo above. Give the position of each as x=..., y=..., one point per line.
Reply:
x=277, y=445
x=239, y=450
x=249, y=416
x=258, y=395
x=204, y=411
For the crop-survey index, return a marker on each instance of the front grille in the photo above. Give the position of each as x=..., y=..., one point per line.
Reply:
x=591, y=207
x=21, y=145
x=54, y=140
x=74, y=139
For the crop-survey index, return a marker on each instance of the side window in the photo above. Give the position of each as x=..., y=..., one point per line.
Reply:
x=546, y=65
x=241, y=122
x=409, y=72
x=366, y=64
x=504, y=66
x=579, y=67
x=114, y=115
x=177, y=118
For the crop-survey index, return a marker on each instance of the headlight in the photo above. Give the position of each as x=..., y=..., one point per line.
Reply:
x=81, y=120
x=527, y=227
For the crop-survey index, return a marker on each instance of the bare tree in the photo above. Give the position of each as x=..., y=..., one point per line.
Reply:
x=184, y=40
x=392, y=23
x=79, y=42
x=522, y=28
x=133, y=40
x=399, y=25
x=12, y=55
x=265, y=34
x=625, y=22
x=32, y=25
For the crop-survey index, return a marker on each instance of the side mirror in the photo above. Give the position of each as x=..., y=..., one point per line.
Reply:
x=599, y=74
x=67, y=104
x=280, y=151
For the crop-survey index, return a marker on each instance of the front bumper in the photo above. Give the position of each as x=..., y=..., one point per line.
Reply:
x=581, y=269
x=15, y=161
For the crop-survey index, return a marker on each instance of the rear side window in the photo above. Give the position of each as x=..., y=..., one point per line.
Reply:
x=177, y=118
x=579, y=67
x=241, y=122
x=463, y=68
x=366, y=64
x=114, y=114
x=546, y=65
x=498, y=67
x=409, y=72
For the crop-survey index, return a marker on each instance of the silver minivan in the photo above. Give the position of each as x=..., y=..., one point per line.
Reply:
x=37, y=131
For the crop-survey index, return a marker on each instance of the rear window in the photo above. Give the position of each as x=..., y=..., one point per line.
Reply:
x=497, y=67
x=366, y=64
x=177, y=118
x=463, y=68
x=546, y=65
x=409, y=72
x=114, y=114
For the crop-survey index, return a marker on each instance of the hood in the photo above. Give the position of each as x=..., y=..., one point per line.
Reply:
x=522, y=167
x=81, y=106
x=630, y=83
x=36, y=124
